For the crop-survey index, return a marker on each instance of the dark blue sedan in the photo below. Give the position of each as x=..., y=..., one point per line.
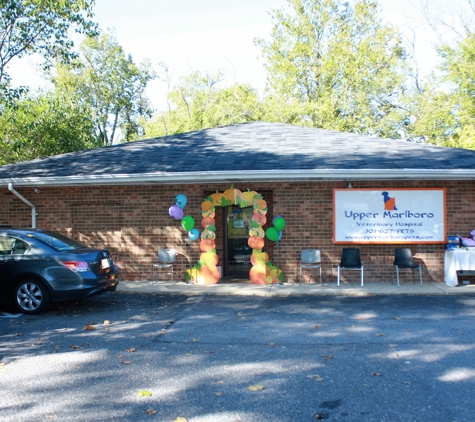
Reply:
x=38, y=267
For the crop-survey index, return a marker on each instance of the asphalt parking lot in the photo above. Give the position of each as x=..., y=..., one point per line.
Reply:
x=147, y=356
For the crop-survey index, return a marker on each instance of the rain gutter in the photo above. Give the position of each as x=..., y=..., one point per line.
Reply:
x=166, y=178
x=33, y=208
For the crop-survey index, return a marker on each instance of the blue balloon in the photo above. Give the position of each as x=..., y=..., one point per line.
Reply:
x=181, y=200
x=280, y=235
x=193, y=234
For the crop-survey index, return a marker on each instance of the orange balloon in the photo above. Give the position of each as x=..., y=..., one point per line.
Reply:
x=260, y=204
x=259, y=218
x=207, y=205
x=217, y=198
x=256, y=242
x=207, y=244
x=207, y=221
x=258, y=274
x=209, y=274
x=229, y=195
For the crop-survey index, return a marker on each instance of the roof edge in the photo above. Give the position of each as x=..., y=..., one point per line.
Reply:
x=250, y=176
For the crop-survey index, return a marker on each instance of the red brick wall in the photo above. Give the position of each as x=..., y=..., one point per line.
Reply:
x=133, y=222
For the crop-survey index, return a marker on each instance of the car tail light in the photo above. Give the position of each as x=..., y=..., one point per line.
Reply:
x=76, y=265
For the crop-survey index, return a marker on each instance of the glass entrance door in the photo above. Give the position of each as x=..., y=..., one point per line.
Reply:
x=238, y=221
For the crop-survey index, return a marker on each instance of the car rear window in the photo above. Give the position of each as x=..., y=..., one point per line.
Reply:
x=56, y=241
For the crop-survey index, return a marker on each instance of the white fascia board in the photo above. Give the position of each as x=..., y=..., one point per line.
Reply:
x=247, y=176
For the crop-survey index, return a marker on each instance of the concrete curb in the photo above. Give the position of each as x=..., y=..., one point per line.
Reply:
x=331, y=289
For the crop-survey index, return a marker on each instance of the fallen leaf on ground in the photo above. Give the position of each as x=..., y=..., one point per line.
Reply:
x=131, y=350
x=126, y=362
x=207, y=352
x=150, y=412
x=255, y=387
x=89, y=327
x=377, y=374
x=316, y=377
x=271, y=344
x=221, y=382
x=180, y=420
x=406, y=383
x=328, y=357
x=319, y=416
x=218, y=393
x=379, y=335
x=188, y=354
x=397, y=318
x=316, y=327
x=145, y=393
x=107, y=322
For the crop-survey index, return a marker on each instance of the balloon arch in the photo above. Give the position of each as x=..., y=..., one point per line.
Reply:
x=206, y=270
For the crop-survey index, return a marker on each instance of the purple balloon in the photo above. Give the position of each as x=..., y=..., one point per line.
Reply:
x=276, y=216
x=176, y=212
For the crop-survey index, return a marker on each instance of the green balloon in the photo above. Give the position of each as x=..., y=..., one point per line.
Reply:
x=279, y=224
x=188, y=223
x=272, y=234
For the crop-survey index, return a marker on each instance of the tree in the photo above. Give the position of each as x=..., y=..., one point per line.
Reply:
x=197, y=102
x=335, y=66
x=443, y=110
x=44, y=125
x=111, y=84
x=39, y=26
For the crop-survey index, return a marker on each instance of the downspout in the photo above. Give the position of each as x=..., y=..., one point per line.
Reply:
x=33, y=208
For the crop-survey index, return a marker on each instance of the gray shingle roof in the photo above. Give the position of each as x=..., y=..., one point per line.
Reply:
x=244, y=149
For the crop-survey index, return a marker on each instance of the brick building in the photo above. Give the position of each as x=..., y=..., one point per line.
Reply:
x=119, y=197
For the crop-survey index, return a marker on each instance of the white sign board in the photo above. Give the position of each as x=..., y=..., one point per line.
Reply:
x=389, y=216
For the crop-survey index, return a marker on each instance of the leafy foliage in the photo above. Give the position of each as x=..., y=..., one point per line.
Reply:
x=334, y=66
x=42, y=126
x=197, y=102
x=39, y=26
x=445, y=110
x=111, y=84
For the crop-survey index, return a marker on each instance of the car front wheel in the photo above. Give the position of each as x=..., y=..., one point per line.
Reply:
x=31, y=296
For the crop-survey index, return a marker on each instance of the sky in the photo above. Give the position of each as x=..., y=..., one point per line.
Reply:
x=211, y=35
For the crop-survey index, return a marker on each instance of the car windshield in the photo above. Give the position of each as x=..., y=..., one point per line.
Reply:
x=56, y=241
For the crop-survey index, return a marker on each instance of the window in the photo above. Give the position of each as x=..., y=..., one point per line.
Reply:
x=56, y=241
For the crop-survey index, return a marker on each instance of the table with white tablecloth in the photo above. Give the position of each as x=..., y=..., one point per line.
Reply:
x=455, y=260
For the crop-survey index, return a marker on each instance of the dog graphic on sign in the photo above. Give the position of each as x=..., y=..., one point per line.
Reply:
x=389, y=203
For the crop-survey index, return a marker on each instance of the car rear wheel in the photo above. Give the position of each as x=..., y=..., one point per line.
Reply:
x=31, y=296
